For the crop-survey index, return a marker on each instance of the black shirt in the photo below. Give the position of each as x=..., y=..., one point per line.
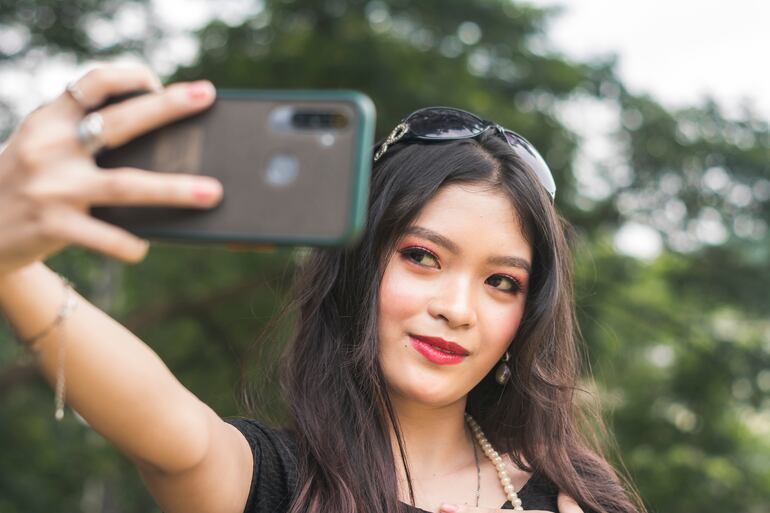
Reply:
x=274, y=479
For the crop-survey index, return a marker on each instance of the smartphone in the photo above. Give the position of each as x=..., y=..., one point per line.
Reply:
x=294, y=165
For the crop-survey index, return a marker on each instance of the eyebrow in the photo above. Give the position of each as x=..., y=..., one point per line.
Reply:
x=437, y=238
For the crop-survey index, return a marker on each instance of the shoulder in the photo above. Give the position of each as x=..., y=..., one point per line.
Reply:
x=257, y=432
x=274, y=474
x=539, y=492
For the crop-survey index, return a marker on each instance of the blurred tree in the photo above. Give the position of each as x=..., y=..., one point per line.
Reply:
x=679, y=345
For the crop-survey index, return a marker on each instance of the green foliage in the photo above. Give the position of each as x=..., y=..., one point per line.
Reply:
x=679, y=346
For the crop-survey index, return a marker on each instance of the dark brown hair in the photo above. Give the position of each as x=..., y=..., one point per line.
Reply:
x=334, y=386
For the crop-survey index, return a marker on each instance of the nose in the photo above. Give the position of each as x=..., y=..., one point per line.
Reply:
x=454, y=302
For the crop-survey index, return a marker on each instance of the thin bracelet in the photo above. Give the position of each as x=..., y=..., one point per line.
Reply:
x=66, y=309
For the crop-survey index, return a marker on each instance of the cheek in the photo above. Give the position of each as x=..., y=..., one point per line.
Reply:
x=399, y=298
x=500, y=324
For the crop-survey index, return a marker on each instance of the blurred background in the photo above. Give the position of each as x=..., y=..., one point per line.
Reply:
x=651, y=115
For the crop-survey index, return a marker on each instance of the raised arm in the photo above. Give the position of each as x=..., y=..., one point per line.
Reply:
x=190, y=459
x=115, y=381
x=128, y=395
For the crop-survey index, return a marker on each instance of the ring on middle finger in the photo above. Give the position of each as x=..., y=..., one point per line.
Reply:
x=90, y=132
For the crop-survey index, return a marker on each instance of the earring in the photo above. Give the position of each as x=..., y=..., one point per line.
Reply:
x=503, y=373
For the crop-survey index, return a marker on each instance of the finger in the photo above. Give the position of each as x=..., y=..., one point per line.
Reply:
x=110, y=80
x=567, y=504
x=130, y=186
x=133, y=117
x=99, y=236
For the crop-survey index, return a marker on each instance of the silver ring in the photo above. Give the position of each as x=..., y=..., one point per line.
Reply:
x=77, y=94
x=90, y=131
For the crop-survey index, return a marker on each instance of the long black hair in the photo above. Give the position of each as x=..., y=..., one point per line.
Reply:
x=334, y=387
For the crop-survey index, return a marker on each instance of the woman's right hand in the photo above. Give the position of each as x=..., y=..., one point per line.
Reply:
x=49, y=180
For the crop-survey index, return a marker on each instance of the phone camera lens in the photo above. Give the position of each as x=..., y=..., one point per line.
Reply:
x=317, y=120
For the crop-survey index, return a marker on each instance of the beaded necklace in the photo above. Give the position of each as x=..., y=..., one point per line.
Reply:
x=497, y=461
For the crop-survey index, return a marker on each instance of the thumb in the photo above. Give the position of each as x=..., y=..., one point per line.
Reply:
x=567, y=504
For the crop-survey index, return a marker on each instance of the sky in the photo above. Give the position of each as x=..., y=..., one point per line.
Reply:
x=678, y=50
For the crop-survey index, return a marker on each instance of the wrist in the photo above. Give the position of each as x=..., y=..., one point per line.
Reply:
x=11, y=282
x=20, y=285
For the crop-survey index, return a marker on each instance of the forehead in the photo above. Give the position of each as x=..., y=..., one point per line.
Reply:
x=475, y=214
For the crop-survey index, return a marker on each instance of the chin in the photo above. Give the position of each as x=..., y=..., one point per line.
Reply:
x=425, y=387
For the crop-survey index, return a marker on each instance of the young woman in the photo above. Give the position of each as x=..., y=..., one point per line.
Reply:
x=434, y=365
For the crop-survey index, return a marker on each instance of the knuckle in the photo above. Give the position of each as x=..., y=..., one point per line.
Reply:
x=47, y=226
x=171, y=189
x=113, y=185
x=31, y=123
x=33, y=198
x=176, y=190
x=175, y=97
x=29, y=153
x=36, y=148
x=32, y=215
x=29, y=127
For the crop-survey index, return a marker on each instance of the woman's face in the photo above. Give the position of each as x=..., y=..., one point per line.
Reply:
x=459, y=274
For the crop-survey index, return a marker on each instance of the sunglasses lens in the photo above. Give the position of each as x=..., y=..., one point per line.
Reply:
x=526, y=152
x=445, y=123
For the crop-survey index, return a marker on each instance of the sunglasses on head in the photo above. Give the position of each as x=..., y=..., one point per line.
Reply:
x=448, y=123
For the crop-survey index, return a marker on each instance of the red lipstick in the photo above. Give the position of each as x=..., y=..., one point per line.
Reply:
x=438, y=350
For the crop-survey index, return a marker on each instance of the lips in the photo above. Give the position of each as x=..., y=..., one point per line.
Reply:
x=429, y=348
x=443, y=345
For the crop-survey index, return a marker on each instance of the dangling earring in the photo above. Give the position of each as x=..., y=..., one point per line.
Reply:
x=503, y=373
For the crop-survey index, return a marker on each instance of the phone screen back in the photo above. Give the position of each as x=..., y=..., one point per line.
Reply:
x=281, y=184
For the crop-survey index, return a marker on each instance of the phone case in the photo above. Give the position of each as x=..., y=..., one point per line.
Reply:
x=282, y=185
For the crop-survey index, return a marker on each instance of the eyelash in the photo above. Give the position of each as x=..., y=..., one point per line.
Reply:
x=516, y=286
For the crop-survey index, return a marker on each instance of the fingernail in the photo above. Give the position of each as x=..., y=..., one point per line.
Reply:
x=449, y=508
x=200, y=90
x=206, y=189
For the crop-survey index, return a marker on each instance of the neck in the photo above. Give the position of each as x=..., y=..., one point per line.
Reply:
x=436, y=440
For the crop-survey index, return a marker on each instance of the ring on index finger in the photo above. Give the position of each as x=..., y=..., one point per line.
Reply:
x=90, y=132
x=77, y=94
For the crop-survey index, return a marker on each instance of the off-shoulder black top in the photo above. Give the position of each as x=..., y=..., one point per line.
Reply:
x=274, y=479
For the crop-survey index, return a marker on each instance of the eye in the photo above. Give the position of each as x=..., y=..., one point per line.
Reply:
x=420, y=256
x=509, y=284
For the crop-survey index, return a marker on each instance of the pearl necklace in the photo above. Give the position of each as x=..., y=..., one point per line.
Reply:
x=497, y=461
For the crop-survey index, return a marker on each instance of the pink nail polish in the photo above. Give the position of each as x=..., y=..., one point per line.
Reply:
x=199, y=90
x=205, y=190
x=448, y=508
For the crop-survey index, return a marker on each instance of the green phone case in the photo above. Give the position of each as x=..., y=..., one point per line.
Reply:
x=244, y=141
